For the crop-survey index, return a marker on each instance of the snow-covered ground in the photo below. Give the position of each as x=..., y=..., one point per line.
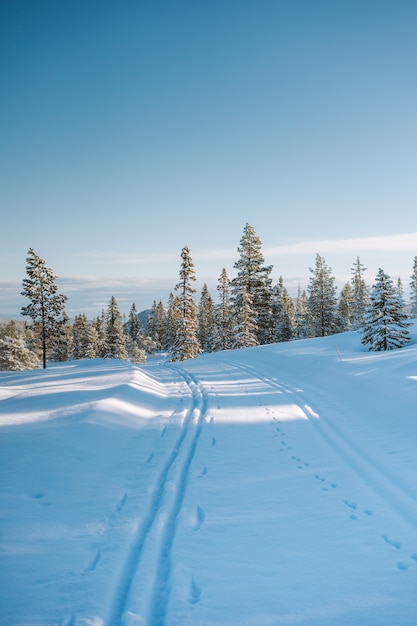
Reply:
x=264, y=486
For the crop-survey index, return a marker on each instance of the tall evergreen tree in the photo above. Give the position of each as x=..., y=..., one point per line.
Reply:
x=116, y=339
x=386, y=326
x=244, y=331
x=253, y=277
x=62, y=350
x=283, y=312
x=360, y=295
x=345, y=307
x=186, y=344
x=156, y=326
x=46, y=304
x=133, y=324
x=301, y=314
x=205, y=318
x=322, y=315
x=413, y=290
x=223, y=313
x=80, y=340
x=15, y=354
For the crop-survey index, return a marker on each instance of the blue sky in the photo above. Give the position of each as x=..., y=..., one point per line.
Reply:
x=130, y=129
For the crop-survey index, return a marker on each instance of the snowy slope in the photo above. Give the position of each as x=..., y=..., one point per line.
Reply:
x=265, y=486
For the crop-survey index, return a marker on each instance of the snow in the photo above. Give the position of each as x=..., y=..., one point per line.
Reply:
x=274, y=485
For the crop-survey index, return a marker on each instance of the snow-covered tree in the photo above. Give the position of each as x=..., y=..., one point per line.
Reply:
x=253, y=277
x=301, y=314
x=186, y=344
x=345, y=307
x=15, y=353
x=283, y=312
x=156, y=326
x=46, y=304
x=413, y=290
x=322, y=302
x=84, y=336
x=132, y=324
x=244, y=331
x=116, y=339
x=386, y=326
x=360, y=295
x=205, y=318
x=62, y=350
x=223, y=315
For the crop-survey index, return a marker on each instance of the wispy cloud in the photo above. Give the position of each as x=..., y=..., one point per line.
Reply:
x=403, y=243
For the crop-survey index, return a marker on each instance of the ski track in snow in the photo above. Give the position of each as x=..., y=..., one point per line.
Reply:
x=376, y=478
x=160, y=521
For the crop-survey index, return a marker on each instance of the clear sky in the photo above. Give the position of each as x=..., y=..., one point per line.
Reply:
x=132, y=128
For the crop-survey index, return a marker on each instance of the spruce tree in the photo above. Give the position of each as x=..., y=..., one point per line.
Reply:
x=283, y=312
x=116, y=339
x=322, y=314
x=15, y=354
x=46, y=304
x=223, y=313
x=301, y=314
x=205, y=318
x=360, y=295
x=386, y=326
x=345, y=307
x=186, y=344
x=413, y=290
x=244, y=331
x=253, y=277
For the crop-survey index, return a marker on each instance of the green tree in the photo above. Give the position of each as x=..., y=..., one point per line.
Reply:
x=116, y=339
x=223, y=314
x=360, y=295
x=413, y=289
x=283, y=312
x=321, y=307
x=15, y=353
x=245, y=327
x=253, y=278
x=386, y=326
x=186, y=344
x=205, y=318
x=46, y=304
x=345, y=307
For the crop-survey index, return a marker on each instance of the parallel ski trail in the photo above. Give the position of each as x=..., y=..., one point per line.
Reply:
x=169, y=494
x=377, y=478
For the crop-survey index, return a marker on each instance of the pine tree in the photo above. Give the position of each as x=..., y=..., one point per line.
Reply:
x=116, y=339
x=133, y=324
x=14, y=351
x=101, y=332
x=223, y=314
x=413, y=290
x=386, y=326
x=245, y=328
x=205, y=318
x=46, y=304
x=80, y=337
x=283, y=312
x=62, y=350
x=186, y=344
x=301, y=314
x=322, y=315
x=156, y=327
x=253, y=278
x=360, y=295
x=345, y=307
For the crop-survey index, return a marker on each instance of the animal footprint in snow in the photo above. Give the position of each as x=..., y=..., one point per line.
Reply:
x=351, y=505
x=402, y=566
x=391, y=542
x=195, y=592
x=200, y=517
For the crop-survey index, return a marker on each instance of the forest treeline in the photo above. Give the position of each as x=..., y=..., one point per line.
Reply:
x=249, y=310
